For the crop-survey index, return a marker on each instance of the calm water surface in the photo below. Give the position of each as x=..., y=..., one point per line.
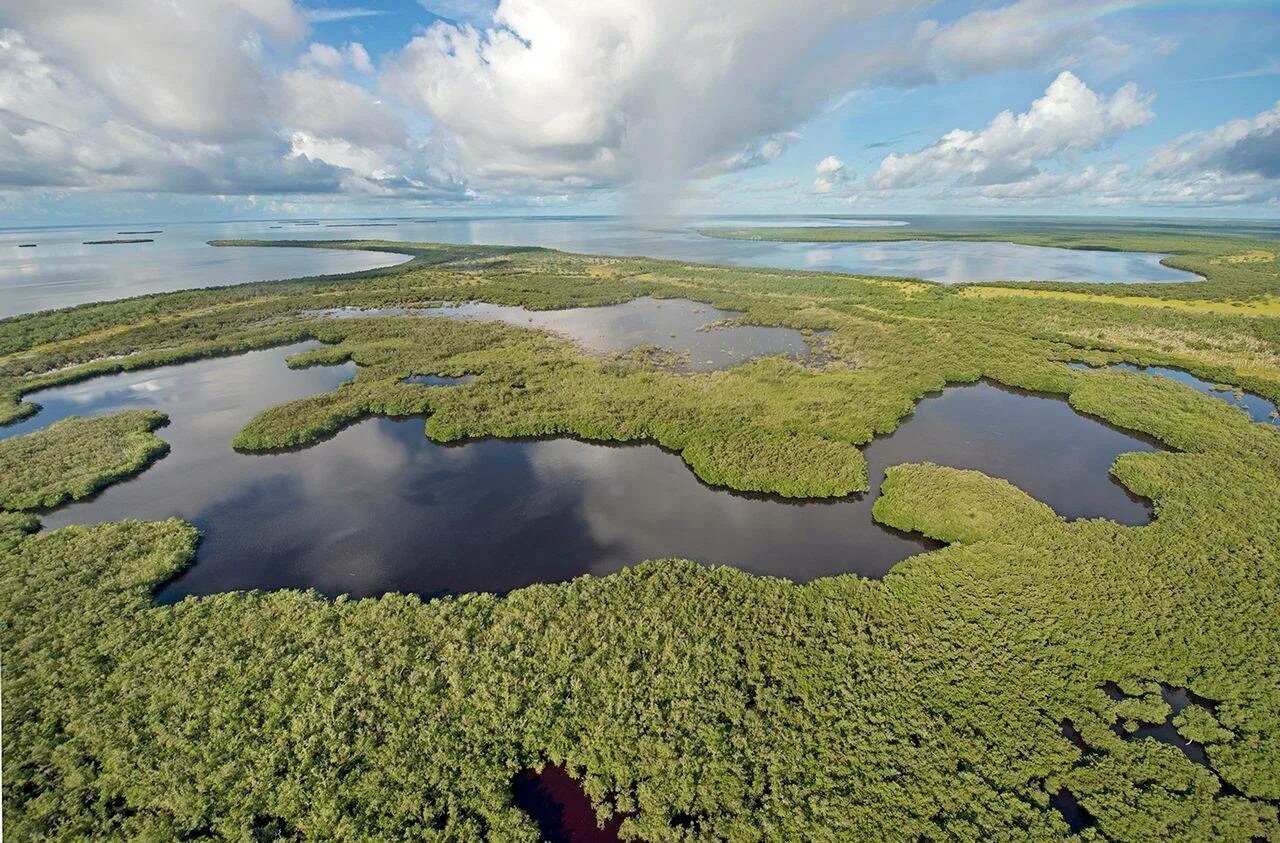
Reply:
x=952, y=263
x=380, y=508
x=682, y=326
x=61, y=271
x=1259, y=408
x=561, y=808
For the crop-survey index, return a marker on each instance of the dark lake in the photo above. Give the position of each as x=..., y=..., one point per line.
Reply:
x=380, y=508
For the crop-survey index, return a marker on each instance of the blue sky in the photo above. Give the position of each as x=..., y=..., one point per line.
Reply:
x=275, y=108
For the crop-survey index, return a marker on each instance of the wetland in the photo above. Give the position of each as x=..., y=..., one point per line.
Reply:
x=380, y=508
x=897, y=569
x=68, y=273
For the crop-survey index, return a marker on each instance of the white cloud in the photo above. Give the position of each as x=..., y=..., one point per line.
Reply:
x=557, y=94
x=560, y=97
x=1049, y=35
x=323, y=55
x=561, y=92
x=1235, y=163
x=324, y=15
x=199, y=72
x=359, y=58
x=332, y=58
x=1025, y=34
x=1238, y=161
x=1094, y=184
x=324, y=104
x=1249, y=146
x=384, y=172
x=316, y=133
x=831, y=175
x=1069, y=119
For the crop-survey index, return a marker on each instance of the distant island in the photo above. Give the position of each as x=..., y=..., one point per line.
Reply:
x=109, y=242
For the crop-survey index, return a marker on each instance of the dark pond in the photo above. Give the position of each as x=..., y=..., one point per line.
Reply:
x=380, y=508
x=1166, y=732
x=561, y=808
x=1065, y=802
x=686, y=327
x=1177, y=699
x=1258, y=408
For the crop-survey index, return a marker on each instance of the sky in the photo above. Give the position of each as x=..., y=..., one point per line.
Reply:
x=120, y=110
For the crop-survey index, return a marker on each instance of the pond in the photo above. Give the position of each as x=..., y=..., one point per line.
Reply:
x=1259, y=408
x=380, y=508
x=558, y=804
x=682, y=326
x=1176, y=699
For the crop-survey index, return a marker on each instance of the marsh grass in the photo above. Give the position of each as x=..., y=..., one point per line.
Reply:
x=75, y=457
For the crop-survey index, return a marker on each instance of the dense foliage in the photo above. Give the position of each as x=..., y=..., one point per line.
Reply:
x=930, y=704
x=76, y=457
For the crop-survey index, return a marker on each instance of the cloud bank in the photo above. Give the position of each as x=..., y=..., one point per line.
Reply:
x=530, y=99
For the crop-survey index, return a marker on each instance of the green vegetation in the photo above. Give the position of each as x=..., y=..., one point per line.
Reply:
x=928, y=704
x=76, y=457
x=955, y=506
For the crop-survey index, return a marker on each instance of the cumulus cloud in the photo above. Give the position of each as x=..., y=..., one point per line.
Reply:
x=325, y=104
x=389, y=172
x=332, y=58
x=358, y=57
x=1235, y=163
x=1238, y=161
x=560, y=94
x=82, y=114
x=1249, y=146
x=202, y=74
x=831, y=175
x=1097, y=185
x=1070, y=118
x=564, y=93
